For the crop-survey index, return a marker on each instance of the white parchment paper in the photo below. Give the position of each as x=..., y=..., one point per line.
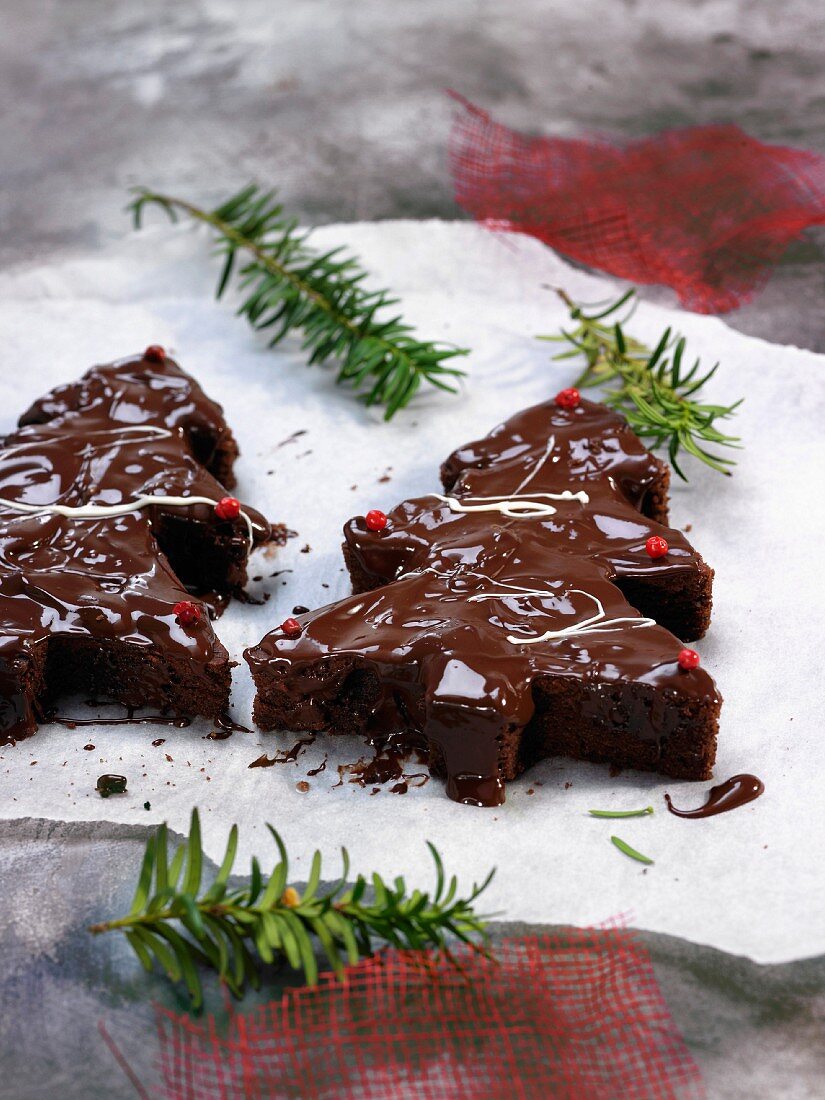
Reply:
x=750, y=882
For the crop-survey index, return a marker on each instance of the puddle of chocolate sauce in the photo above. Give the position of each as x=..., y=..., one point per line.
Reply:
x=734, y=792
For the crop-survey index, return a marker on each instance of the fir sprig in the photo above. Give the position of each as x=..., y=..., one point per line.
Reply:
x=234, y=930
x=289, y=286
x=654, y=389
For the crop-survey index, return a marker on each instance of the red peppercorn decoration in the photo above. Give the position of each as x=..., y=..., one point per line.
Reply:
x=568, y=399
x=228, y=508
x=688, y=659
x=155, y=354
x=187, y=613
x=375, y=520
x=291, y=627
x=656, y=546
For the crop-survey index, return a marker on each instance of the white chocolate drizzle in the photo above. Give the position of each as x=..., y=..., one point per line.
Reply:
x=517, y=505
x=102, y=511
x=595, y=624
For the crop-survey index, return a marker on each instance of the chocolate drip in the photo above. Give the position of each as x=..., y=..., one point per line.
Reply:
x=730, y=795
x=286, y=756
x=517, y=615
x=132, y=720
x=321, y=768
x=87, y=600
x=228, y=725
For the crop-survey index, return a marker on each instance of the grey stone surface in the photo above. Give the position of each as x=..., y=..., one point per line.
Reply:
x=754, y=1031
x=341, y=105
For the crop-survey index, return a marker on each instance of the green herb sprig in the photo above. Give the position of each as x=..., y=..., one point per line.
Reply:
x=233, y=930
x=654, y=389
x=287, y=286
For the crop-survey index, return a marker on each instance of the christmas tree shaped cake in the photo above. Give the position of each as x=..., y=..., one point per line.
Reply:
x=537, y=606
x=113, y=513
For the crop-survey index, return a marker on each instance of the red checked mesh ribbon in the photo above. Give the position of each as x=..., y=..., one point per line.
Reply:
x=574, y=1014
x=705, y=211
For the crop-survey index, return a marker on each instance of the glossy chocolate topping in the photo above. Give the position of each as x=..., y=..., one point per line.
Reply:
x=520, y=572
x=75, y=589
x=593, y=453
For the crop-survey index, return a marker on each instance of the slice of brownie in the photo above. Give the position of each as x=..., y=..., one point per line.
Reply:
x=528, y=610
x=94, y=591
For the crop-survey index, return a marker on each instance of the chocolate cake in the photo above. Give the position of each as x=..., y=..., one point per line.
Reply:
x=113, y=513
x=533, y=608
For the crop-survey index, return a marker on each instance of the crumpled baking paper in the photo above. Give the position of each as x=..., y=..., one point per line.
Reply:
x=750, y=881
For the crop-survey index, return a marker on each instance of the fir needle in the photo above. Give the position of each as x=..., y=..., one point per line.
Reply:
x=623, y=846
x=621, y=813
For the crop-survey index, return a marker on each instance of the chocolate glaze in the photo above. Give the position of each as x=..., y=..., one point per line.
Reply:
x=730, y=795
x=75, y=592
x=442, y=631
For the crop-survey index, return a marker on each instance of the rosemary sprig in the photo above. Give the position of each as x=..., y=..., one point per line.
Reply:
x=233, y=930
x=621, y=813
x=655, y=390
x=287, y=285
x=623, y=846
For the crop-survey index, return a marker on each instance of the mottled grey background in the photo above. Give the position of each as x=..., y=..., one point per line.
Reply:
x=341, y=105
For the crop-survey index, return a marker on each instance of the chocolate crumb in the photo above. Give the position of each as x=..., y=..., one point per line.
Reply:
x=89, y=747
x=291, y=438
x=110, y=784
x=302, y=786
x=321, y=767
